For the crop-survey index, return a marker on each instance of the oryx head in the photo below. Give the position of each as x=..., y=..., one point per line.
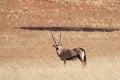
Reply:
x=56, y=45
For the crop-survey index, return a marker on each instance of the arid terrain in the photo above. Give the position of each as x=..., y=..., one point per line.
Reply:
x=26, y=51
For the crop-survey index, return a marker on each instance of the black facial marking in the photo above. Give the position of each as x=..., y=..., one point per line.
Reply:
x=57, y=48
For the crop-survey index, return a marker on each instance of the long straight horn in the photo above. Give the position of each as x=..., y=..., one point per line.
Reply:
x=53, y=39
x=60, y=38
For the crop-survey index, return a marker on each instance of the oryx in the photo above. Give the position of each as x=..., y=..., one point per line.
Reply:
x=69, y=54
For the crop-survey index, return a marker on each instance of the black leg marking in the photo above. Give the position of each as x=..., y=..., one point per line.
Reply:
x=80, y=58
x=64, y=61
x=82, y=61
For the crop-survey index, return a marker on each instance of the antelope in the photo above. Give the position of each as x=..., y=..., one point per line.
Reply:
x=67, y=53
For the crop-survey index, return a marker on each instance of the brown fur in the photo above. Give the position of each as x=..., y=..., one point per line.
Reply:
x=73, y=54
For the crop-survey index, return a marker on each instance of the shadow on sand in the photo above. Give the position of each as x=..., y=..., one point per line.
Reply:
x=70, y=29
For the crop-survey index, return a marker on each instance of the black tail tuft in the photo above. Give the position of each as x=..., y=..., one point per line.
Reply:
x=85, y=60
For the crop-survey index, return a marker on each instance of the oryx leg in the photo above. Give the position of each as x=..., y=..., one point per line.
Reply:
x=64, y=61
x=82, y=61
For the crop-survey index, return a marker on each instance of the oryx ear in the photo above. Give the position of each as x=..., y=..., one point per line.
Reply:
x=54, y=46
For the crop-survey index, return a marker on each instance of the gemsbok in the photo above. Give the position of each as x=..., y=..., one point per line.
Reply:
x=69, y=54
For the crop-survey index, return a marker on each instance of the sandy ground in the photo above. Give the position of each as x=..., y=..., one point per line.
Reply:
x=26, y=51
x=29, y=55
